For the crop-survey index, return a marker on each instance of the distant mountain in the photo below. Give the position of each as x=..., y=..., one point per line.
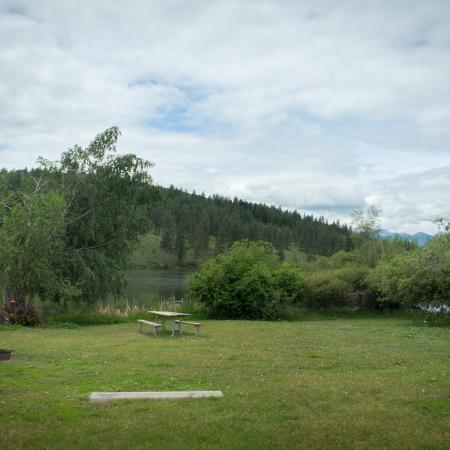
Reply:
x=421, y=238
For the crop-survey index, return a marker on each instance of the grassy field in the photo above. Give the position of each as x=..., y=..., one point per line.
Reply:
x=344, y=383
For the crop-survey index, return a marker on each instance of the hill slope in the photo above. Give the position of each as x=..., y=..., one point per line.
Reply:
x=191, y=227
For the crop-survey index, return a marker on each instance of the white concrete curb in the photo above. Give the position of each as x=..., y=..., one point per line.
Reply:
x=105, y=396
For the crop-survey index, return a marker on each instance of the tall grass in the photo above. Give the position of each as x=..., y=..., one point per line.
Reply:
x=106, y=314
x=163, y=304
x=83, y=318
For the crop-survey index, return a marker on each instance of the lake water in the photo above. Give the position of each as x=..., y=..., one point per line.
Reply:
x=146, y=287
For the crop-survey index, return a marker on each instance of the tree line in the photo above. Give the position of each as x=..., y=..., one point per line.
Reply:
x=187, y=220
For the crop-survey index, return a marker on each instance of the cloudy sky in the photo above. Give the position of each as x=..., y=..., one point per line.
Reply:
x=321, y=106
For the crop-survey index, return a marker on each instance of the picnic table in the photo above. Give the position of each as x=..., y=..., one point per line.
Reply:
x=169, y=315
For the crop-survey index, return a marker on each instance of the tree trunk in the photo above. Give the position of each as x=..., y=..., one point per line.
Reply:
x=16, y=309
x=5, y=297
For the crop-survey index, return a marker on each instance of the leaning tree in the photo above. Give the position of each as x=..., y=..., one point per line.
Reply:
x=66, y=232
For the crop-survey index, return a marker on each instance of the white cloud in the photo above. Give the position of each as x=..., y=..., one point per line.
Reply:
x=317, y=105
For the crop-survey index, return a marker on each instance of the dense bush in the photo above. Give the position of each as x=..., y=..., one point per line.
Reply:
x=247, y=282
x=345, y=287
x=420, y=277
x=326, y=289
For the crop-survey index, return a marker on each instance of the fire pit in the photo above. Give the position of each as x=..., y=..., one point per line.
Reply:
x=5, y=354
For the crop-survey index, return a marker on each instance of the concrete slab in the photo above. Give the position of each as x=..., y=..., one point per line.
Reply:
x=105, y=396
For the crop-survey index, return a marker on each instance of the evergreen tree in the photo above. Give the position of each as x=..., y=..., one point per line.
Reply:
x=168, y=235
x=180, y=246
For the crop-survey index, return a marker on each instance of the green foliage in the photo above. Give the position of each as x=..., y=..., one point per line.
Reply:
x=85, y=318
x=422, y=276
x=168, y=235
x=180, y=246
x=443, y=226
x=344, y=279
x=325, y=290
x=32, y=250
x=289, y=283
x=247, y=282
x=345, y=287
x=68, y=228
x=31, y=242
x=228, y=220
x=148, y=254
x=108, y=198
x=372, y=252
x=367, y=221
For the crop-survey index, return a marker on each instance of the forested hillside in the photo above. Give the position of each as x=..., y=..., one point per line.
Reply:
x=192, y=222
x=187, y=228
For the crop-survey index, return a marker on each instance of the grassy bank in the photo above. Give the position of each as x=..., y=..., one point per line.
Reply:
x=342, y=383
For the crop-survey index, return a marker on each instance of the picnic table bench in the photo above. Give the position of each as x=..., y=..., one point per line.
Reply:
x=180, y=323
x=155, y=325
x=161, y=315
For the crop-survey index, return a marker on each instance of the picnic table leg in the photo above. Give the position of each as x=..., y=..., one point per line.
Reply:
x=181, y=328
x=140, y=327
x=173, y=328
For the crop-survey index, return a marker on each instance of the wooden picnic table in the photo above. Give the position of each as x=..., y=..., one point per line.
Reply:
x=169, y=315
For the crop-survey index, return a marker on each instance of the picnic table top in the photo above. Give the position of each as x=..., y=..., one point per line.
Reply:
x=169, y=314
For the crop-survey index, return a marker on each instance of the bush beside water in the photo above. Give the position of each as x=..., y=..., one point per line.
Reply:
x=247, y=282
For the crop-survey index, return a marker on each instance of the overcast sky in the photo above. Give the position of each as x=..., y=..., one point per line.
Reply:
x=321, y=106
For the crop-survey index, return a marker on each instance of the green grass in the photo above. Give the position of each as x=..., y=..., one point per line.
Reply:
x=343, y=383
x=149, y=254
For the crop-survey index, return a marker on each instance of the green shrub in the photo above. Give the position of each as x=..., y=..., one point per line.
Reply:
x=420, y=277
x=325, y=289
x=247, y=282
x=345, y=287
x=86, y=318
x=290, y=284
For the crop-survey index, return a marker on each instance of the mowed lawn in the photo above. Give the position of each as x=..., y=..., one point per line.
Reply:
x=344, y=383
